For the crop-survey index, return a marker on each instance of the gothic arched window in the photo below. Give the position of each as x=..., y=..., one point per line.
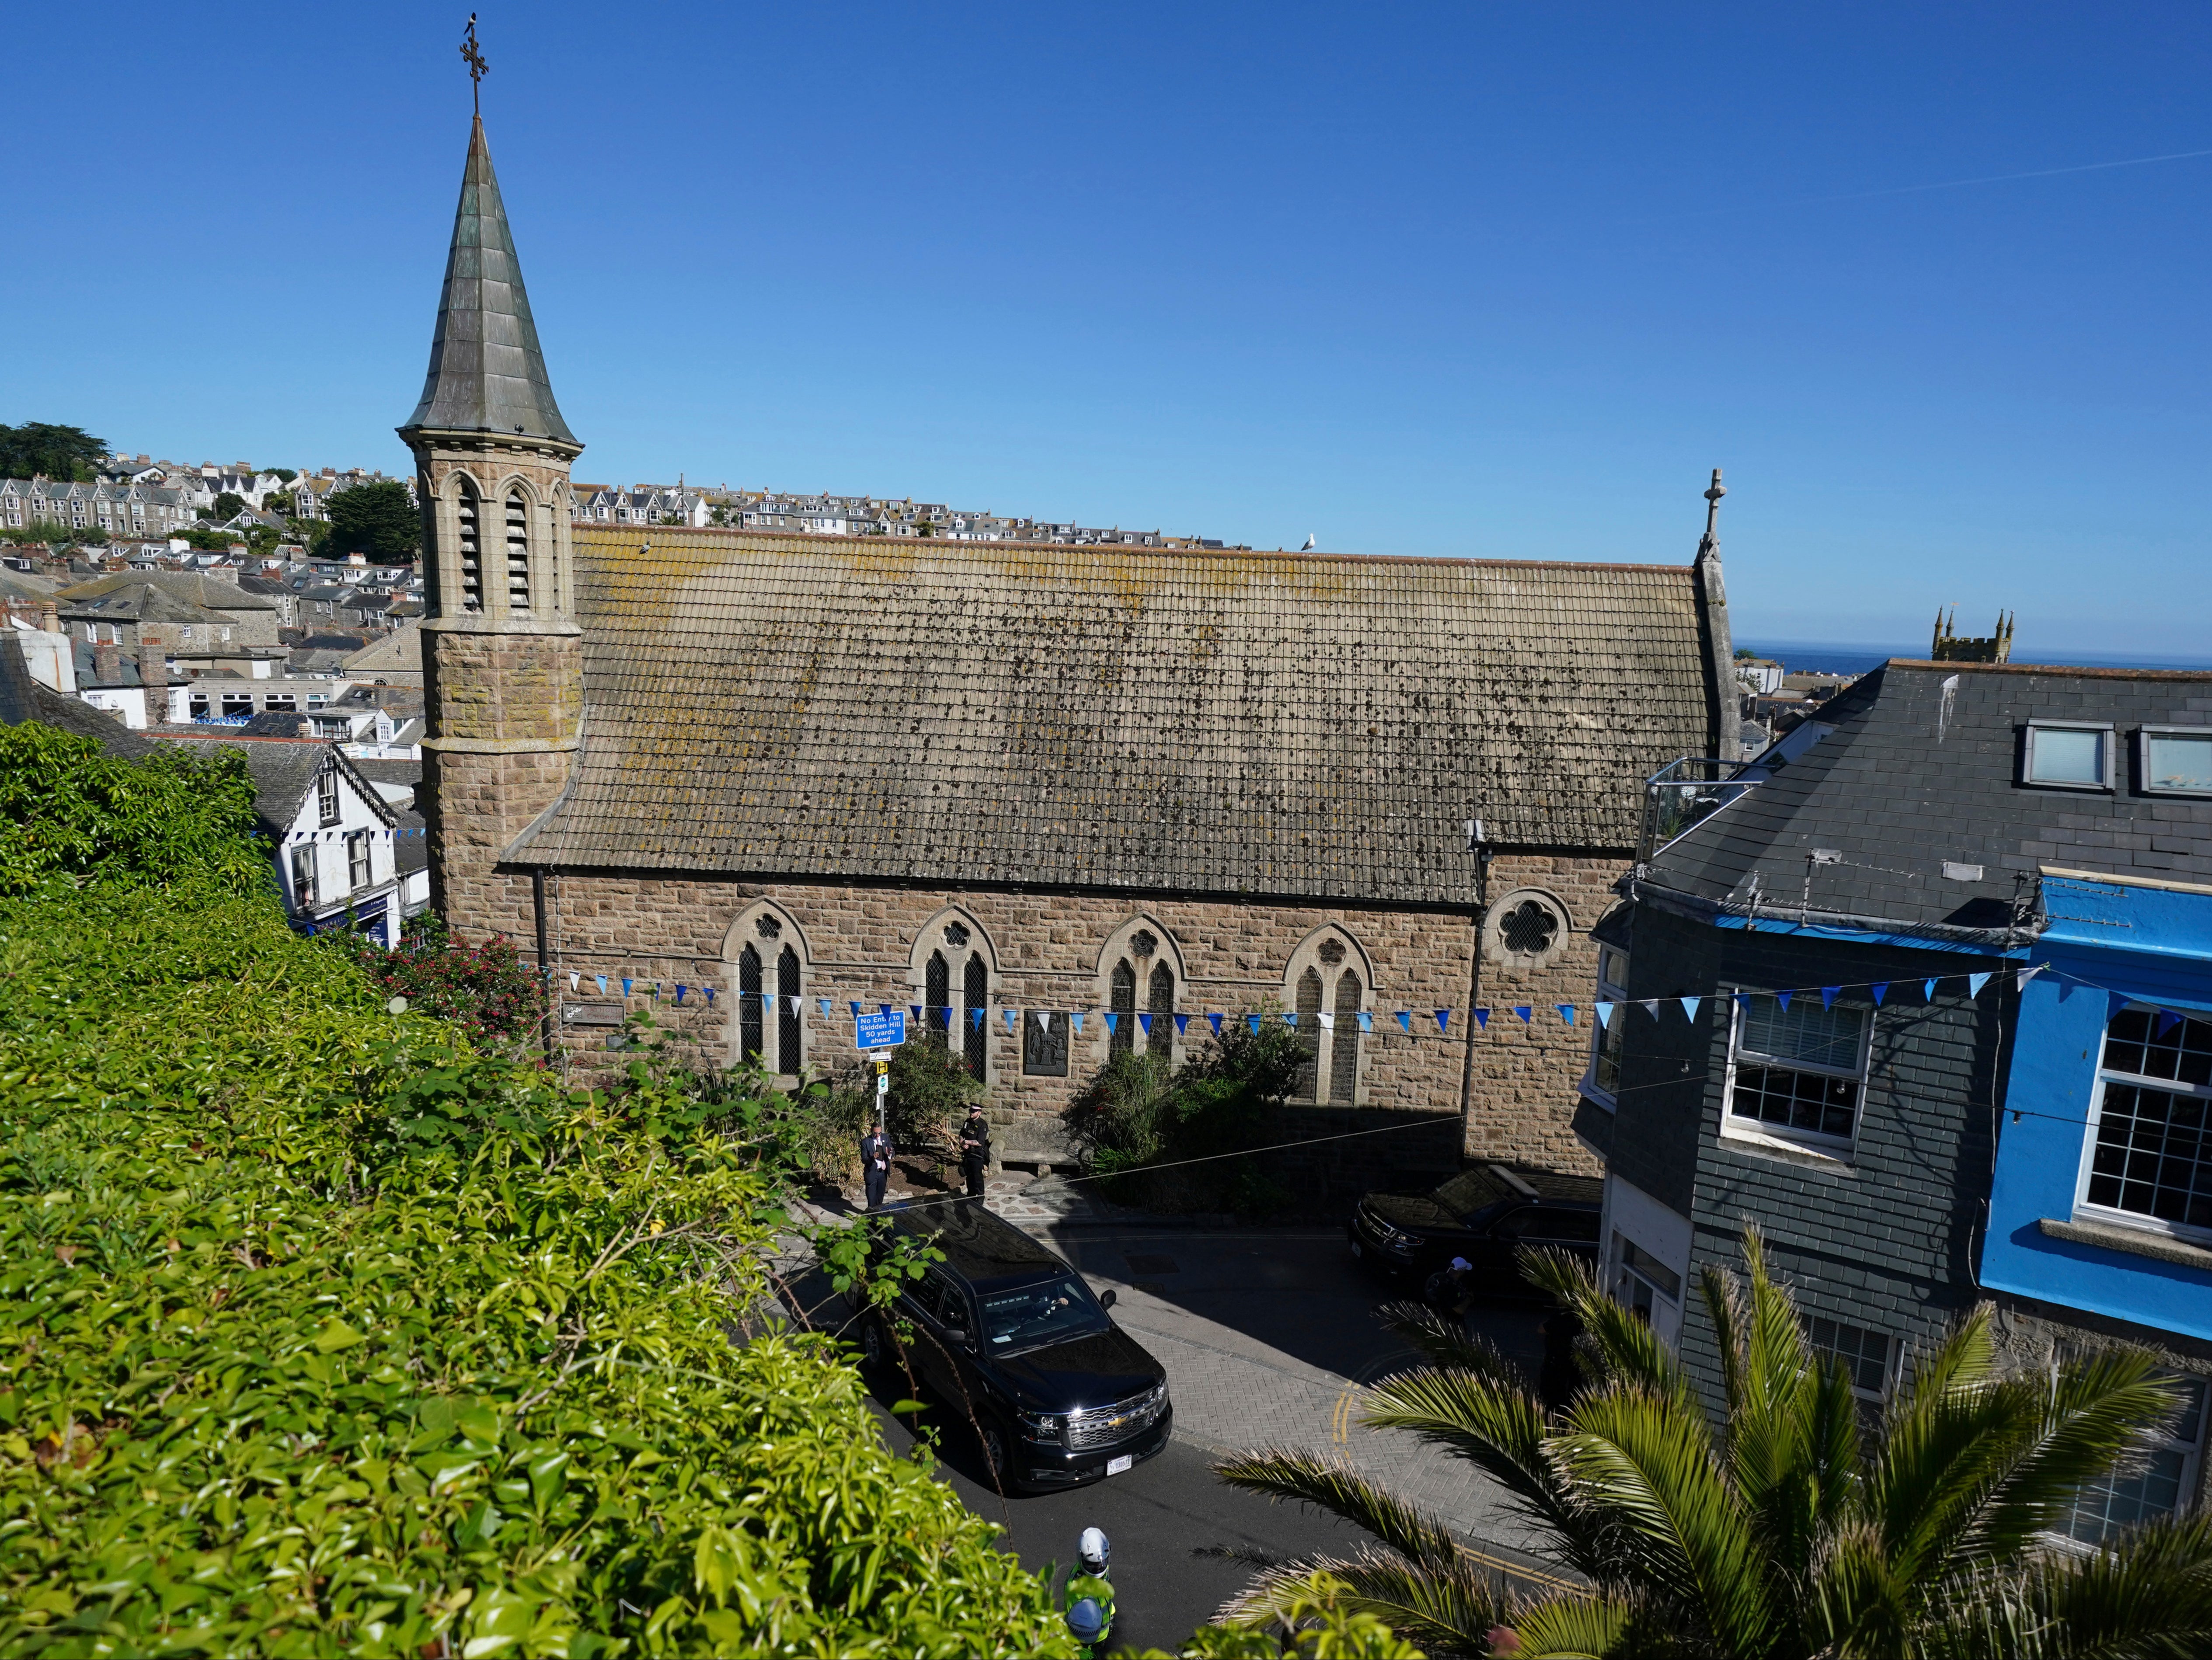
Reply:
x=1161, y=1040
x=1344, y=1042
x=1308, y=1035
x=975, y=1034
x=749, y=1004
x=788, y=1057
x=1123, y=1002
x=937, y=995
x=518, y=553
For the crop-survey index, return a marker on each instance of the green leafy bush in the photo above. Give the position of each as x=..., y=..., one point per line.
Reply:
x=320, y=1329
x=71, y=813
x=1135, y=1116
x=485, y=988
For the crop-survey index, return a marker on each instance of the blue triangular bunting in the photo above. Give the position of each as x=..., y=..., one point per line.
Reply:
x=1975, y=983
x=1215, y=1021
x=1366, y=1020
x=1182, y=1025
x=1828, y=996
x=1113, y=1021
x=1406, y=1019
x=1604, y=1017
x=1145, y=1021
x=1567, y=1013
x=1443, y=1019
x=1881, y=989
x=1255, y=1020
x=1783, y=997
x=1525, y=1012
x=1690, y=1006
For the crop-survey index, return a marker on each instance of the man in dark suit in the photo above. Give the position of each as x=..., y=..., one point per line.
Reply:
x=876, y=1164
x=976, y=1150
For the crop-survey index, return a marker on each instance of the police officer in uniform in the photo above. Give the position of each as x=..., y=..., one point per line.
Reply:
x=976, y=1150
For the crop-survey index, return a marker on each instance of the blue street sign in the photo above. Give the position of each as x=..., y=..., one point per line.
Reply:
x=886, y=1031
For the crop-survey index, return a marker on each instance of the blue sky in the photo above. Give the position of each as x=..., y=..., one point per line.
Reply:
x=1463, y=280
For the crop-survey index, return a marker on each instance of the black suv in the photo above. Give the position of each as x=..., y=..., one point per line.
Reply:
x=1060, y=1394
x=1483, y=1215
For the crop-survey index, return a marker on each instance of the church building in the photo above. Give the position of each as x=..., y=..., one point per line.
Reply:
x=1042, y=781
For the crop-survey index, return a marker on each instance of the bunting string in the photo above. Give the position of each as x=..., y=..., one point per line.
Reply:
x=1415, y=1025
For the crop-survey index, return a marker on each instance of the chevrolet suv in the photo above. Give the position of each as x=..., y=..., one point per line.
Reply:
x=1004, y=1328
x=1483, y=1215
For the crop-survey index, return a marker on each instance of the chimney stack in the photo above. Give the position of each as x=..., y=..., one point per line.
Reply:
x=153, y=675
x=107, y=664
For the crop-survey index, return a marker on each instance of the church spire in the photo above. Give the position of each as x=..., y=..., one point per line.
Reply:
x=487, y=374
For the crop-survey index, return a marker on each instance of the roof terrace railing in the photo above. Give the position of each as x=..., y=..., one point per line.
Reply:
x=1685, y=792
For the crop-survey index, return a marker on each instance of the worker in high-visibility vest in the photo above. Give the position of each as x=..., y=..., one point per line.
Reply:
x=1087, y=1582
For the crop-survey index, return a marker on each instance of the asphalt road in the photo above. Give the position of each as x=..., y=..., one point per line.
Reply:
x=1183, y=1542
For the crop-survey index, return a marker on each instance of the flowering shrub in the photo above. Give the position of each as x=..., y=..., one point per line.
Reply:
x=486, y=990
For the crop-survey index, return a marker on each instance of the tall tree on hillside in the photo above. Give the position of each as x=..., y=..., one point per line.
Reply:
x=376, y=520
x=39, y=449
x=1784, y=1532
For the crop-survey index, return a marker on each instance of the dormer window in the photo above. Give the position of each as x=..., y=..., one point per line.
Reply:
x=2069, y=756
x=2177, y=760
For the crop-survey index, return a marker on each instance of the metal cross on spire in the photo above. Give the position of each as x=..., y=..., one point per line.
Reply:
x=477, y=68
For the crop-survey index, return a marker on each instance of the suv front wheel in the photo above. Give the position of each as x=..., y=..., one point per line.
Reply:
x=874, y=1353
x=996, y=1462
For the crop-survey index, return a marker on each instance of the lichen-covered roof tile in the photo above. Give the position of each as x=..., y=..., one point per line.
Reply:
x=1201, y=721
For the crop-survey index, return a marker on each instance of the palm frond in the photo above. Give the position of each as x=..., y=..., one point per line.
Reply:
x=1628, y=1351
x=2097, y=1412
x=2148, y=1597
x=1723, y=1297
x=1651, y=1459
x=1448, y=1609
x=1577, y=1627
x=1444, y=1343
x=1501, y=1431
x=1853, y=1603
x=1333, y=1485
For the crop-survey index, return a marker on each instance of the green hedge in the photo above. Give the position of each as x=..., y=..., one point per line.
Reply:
x=320, y=1331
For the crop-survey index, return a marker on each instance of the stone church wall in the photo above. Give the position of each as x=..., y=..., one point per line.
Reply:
x=1050, y=950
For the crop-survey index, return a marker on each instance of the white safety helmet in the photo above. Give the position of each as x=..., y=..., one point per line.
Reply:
x=1092, y=1550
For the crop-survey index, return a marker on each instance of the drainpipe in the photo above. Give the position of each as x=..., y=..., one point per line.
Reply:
x=1479, y=845
x=544, y=961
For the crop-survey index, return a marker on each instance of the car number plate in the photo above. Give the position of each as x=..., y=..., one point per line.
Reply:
x=1115, y=1466
x=1355, y=1250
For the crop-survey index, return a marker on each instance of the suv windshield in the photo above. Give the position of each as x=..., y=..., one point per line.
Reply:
x=1468, y=1192
x=1047, y=1313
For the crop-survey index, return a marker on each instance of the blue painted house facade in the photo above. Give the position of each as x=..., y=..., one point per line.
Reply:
x=1925, y=996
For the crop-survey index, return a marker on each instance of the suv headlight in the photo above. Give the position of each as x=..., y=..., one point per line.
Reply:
x=1042, y=1427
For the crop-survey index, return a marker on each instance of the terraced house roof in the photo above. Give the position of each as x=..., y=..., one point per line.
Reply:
x=1296, y=725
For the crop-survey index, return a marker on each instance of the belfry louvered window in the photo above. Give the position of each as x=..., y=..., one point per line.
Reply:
x=466, y=515
x=517, y=552
x=975, y=1034
x=1124, y=1005
x=749, y=1004
x=1308, y=1035
x=787, y=1006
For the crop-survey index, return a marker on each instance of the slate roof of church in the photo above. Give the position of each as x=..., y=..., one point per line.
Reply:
x=1102, y=717
x=487, y=374
x=1921, y=769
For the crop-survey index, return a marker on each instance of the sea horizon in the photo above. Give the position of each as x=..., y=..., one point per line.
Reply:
x=1858, y=656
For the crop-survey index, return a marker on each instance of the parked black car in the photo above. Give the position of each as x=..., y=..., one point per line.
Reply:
x=1004, y=1327
x=1483, y=1215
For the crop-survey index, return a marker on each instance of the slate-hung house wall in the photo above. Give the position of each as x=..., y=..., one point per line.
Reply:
x=1987, y=891
x=978, y=777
